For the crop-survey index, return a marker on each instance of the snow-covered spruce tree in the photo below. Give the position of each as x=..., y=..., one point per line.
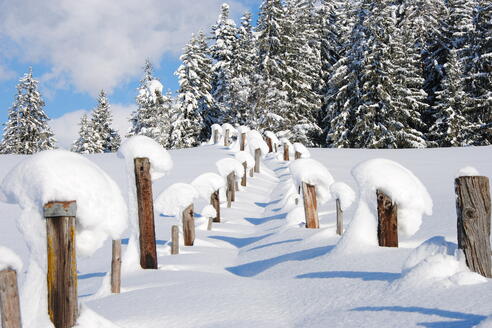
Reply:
x=107, y=137
x=27, y=130
x=451, y=128
x=243, y=65
x=192, y=119
x=224, y=36
x=150, y=119
x=86, y=142
x=271, y=87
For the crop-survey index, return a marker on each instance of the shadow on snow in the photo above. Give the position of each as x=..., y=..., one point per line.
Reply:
x=275, y=243
x=240, y=242
x=258, y=221
x=366, y=276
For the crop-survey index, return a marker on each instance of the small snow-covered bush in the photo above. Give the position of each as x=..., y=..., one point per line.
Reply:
x=314, y=173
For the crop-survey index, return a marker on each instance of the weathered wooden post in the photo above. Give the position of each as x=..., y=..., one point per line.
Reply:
x=298, y=155
x=216, y=136
x=310, y=206
x=473, y=209
x=9, y=299
x=275, y=146
x=387, y=220
x=242, y=145
x=251, y=173
x=143, y=180
x=226, y=137
x=257, y=160
x=231, y=195
x=62, y=263
x=215, y=202
x=270, y=144
x=188, y=226
x=339, y=218
x=210, y=222
x=286, y=152
x=175, y=240
x=243, y=179
x=116, y=267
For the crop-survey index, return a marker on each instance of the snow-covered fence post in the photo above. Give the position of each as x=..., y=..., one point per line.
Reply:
x=9, y=299
x=215, y=202
x=231, y=193
x=387, y=220
x=174, y=240
x=310, y=206
x=242, y=145
x=143, y=180
x=247, y=161
x=62, y=263
x=243, y=179
x=226, y=137
x=116, y=267
x=286, y=152
x=473, y=209
x=188, y=226
x=339, y=218
x=297, y=155
x=270, y=144
x=257, y=160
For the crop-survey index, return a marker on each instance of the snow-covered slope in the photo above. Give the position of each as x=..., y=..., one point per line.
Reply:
x=258, y=269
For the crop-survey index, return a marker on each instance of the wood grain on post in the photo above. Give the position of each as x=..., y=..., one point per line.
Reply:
x=236, y=184
x=231, y=194
x=270, y=144
x=243, y=179
x=175, y=240
x=286, y=152
x=210, y=222
x=116, y=267
x=215, y=202
x=143, y=180
x=275, y=146
x=9, y=299
x=251, y=173
x=298, y=155
x=387, y=220
x=310, y=206
x=473, y=209
x=62, y=263
x=226, y=138
x=339, y=218
x=216, y=136
x=188, y=226
x=242, y=145
x=257, y=160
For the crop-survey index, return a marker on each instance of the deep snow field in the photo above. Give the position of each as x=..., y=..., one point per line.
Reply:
x=259, y=269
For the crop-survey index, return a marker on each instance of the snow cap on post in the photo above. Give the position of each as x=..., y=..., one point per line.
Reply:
x=208, y=212
x=468, y=171
x=243, y=129
x=314, y=173
x=344, y=193
x=255, y=141
x=244, y=156
x=300, y=148
x=208, y=183
x=9, y=260
x=273, y=136
x=227, y=126
x=216, y=127
x=176, y=198
x=227, y=165
x=142, y=146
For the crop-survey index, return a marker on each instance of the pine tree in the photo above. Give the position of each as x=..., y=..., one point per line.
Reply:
x=107, y=137
x=27, y=130
x=86, y=143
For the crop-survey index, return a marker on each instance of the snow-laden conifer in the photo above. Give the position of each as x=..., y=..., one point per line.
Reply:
x=106, y=136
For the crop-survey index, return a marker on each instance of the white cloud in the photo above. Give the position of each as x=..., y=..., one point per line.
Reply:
x=99, y=44
x=6, y=73
x=66, y=127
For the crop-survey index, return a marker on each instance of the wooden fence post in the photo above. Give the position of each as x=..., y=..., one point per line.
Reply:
x=143, y=180
x=286, y=152
x=116, y=267
x=62, y=263
x=216, y=136
x=298, y=155
x=188, y=226
x=9, y=299
x=231, y=194
x=226, y=138
x=175, y=240
x=473, y=209
x=215, y=202
x=243, y=179
x=387, y=220
x=275, y=147
x=251, y=173
x=270, y=144
x=339, y=218
x=210, y=222
x=310, y=206
x=242, y=145
x=257, y=160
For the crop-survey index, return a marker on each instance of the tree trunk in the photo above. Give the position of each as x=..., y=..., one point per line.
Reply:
x=387, y=220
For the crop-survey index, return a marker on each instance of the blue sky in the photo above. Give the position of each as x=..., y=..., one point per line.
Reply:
x=77, y=48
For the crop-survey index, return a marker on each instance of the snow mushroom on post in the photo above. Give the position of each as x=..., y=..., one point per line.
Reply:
x=216, y=133
x=101, y=213
x=258, y=147
x=230, y=169
x=315, y=181
x=301, y=151
x=248, y=163
x=344, y=196
x=10, y=264
x=228, y=130
x=242, y=130
x=209, y=186
x=272, y=141
x=287, y=147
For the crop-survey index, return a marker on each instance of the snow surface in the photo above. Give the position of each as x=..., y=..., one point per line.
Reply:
x=209, y=212
x=243, y=156
x=9, y=260
x=227, y=165
x=467, y=171
x=208, y=183
x=344, y=193
x=314, y=173
x=175, y=199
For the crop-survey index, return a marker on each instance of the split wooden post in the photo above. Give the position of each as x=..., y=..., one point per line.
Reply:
x=243, y=179
x=231, y=194
x=286, y=152
x=257, y=160
x=216, y=136
x=215, y=202
x=387, y=220
x=62, y=263
x=310, y=206
x=174, y=240
x=226, y=137
x=473, y=209
x=188, y=226
x=9, y=299
x=116, y=267
x=270, y=144
x=242, y=145
x=143, y=180
x=298, y=155
x=339, y=218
